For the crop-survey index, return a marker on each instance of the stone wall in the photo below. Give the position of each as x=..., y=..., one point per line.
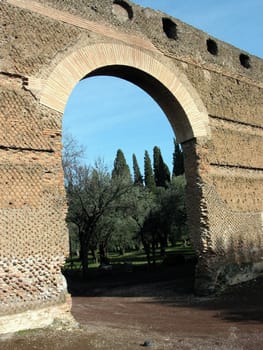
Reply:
x=211, y=92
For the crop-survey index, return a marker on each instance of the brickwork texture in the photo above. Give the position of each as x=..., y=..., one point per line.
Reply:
x=212, y=94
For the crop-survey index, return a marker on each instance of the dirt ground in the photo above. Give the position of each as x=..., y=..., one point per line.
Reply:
x=126, y=313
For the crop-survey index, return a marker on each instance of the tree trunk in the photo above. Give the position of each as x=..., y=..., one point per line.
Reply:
x=146, y=247
x=103, y=257
x=84, y=257
x=163, y=245
x=94, y=255
x=85, y=267
x=70, y=254
x=154, y=253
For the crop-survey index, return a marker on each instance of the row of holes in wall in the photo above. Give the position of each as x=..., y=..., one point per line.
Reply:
x=170, y=29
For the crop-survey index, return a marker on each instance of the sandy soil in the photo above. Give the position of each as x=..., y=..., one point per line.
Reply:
x=119, y=314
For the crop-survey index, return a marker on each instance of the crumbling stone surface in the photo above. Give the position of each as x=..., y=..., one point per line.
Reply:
x=29, y=42
x=23, y=124
x=222, y=97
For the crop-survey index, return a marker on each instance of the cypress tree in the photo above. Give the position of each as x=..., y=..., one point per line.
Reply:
x=178, y=160
x=161, y=171
x=148, y=172
x=121, y=168
x=138, y=180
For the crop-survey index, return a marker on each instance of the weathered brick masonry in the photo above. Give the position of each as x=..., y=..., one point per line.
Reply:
x=212, y=94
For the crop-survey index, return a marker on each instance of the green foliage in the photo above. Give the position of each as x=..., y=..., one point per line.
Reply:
x=109, y=212
x=166, y=219
x=123, y=237
x=121, y=168
x=92, y=194
x=73, y=239
x=138, y=179
x=161, y=170
x=148, y=173
x=178, y=160
x=172, y=209
x=138, y=259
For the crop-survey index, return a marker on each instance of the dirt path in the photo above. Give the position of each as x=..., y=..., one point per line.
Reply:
x=173, y=320
x=161, y=312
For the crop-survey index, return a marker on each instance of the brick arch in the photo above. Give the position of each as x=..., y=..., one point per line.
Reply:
x=223, y=171
x=171, y=89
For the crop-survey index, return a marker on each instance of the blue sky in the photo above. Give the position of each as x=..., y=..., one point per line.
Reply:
x=105, y=113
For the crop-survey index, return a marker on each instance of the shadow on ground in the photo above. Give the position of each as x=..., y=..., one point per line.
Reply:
x=172, y=286
x=122, y=310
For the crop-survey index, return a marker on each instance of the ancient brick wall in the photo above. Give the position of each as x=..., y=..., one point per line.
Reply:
x=211, y=92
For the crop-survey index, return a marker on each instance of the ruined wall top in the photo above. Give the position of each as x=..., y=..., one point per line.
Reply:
x=170, y=35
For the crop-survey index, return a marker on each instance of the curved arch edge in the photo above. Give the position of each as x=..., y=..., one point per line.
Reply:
x=70, y=70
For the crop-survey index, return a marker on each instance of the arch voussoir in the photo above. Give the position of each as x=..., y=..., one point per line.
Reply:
x=84, y=61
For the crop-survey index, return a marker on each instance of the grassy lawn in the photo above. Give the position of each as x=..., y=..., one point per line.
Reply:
x=138, y=258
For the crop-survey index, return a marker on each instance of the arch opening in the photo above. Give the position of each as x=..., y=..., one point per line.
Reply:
x=170, y=28
x=122, y=10
x=212, y=47
x=245, y=61
x=164, y=98
x=170, y=88
x=164, y=82
x=153, y=88
x=121, y=115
